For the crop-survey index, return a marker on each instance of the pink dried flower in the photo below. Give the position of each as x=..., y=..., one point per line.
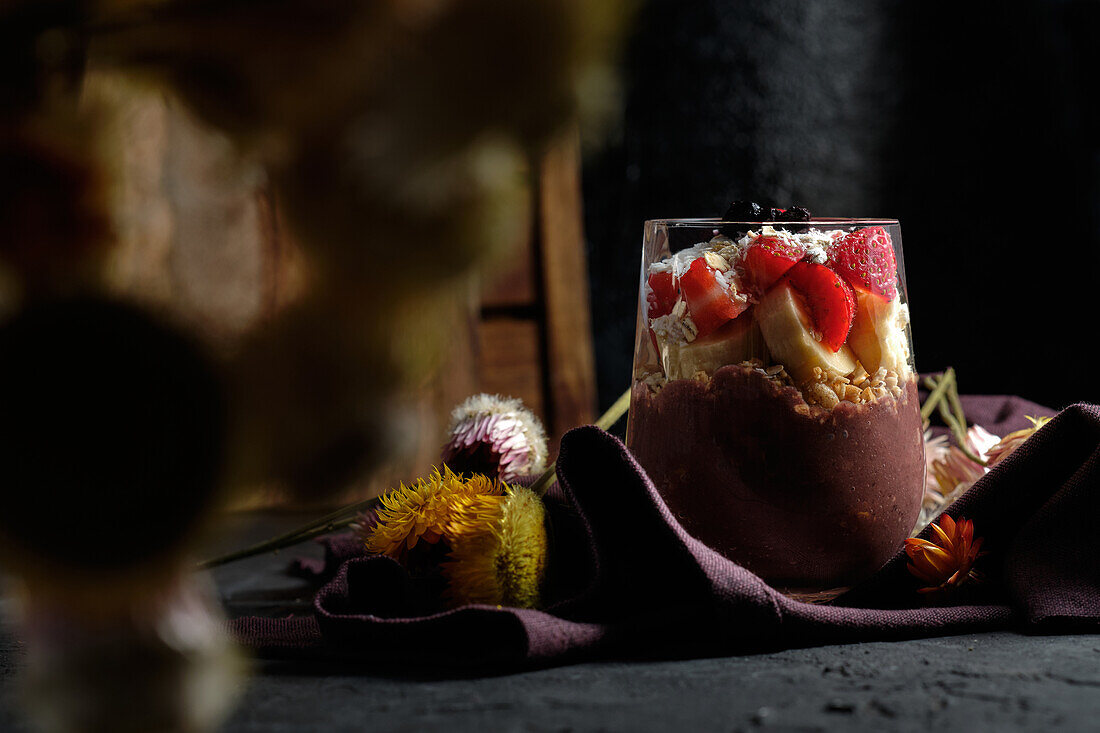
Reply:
x=497, y=437
x=950, y=472
x=1013, y=440
x=935, y=449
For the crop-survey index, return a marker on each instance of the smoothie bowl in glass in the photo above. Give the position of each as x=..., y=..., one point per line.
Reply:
x=774, y=401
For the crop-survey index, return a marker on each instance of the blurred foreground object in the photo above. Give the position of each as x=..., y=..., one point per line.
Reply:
x=398, y=143
x=53, y=214
x=112, y=440
x=165, y=663
x=112, y=443
x=234, y=241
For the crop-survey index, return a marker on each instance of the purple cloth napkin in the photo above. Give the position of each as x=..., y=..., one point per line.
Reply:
x=625, y=580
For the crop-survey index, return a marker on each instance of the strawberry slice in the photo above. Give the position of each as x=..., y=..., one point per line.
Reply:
x=865, y=258
x=709, y=302
x=830, y=300
x=768, y=259
x=662, y=294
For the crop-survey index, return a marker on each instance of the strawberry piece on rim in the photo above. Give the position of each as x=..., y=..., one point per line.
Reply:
x=828, y=297
x=767, y=259
x=865, y=258
x=709, y=302
x=662, y=294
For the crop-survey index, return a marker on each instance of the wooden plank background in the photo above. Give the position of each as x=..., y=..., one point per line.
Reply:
x=535, y=337
x=524, y=331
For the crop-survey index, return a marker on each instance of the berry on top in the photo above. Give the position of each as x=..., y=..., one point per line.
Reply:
x=746, y=211
x=751, y=211
x=794, y=213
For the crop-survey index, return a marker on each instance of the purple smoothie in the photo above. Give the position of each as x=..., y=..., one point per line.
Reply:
x=804, y=496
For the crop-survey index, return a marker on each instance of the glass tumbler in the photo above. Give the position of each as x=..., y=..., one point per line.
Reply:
x=774, y=399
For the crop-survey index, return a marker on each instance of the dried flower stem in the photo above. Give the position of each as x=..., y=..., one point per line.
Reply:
x=938, y=386
x=341, y=518
x=344, y=516
x=944, y=397
x=609, y=418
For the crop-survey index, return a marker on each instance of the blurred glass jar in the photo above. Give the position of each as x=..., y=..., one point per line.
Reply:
x=774, y=400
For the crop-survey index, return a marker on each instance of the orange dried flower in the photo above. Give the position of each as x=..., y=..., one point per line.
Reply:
x=947, y=561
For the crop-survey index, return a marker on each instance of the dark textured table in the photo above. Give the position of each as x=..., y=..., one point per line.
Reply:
x=996, y=681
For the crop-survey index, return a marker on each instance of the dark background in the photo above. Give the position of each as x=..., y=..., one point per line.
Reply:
x=974, y=124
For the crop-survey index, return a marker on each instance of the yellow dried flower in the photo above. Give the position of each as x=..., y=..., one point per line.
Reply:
x=501, y=563
x=444, y=504
x=493, y=534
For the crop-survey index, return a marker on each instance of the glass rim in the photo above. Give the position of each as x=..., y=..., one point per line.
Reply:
x=840, y=220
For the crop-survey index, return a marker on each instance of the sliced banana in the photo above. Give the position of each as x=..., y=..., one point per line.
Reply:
x=878, y=337
x=733, y=343
x=789, y=334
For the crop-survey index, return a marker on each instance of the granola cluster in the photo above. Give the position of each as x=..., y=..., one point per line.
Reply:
x=828, y=389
